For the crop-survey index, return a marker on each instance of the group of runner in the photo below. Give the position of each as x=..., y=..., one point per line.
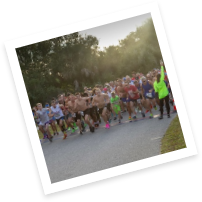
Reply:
x=109, y=101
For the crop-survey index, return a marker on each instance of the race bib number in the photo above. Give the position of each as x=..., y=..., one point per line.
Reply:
x=149, y=95
x=130, y=92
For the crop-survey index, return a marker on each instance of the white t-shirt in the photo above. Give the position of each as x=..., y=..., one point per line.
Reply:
x=132, y=83
x=43, y=116
x=57, y=111
x=109, y=94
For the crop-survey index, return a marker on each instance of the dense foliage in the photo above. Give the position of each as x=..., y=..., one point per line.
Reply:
x=70, y=62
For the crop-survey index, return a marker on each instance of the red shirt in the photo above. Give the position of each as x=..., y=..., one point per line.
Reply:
x=130, y=91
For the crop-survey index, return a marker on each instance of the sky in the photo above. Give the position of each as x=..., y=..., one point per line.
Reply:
x=110, y=34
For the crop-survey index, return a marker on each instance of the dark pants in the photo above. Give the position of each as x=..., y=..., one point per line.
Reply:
x=167, y=104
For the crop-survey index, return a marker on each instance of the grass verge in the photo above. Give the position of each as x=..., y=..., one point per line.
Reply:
x=173, y=138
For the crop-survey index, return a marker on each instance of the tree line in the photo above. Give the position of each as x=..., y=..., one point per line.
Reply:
x=70, y=62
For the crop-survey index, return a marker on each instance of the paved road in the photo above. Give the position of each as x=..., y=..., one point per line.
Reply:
x=105, y=148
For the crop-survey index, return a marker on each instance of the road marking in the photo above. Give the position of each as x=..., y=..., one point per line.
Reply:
x=156, y=138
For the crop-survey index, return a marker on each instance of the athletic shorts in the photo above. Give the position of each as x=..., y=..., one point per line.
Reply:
x=51, y=121
x=40, y=124
x=69, y=115
x=124, y=99
x=61, y=118
x=78, y=117
x=100, y=110
x=109, y=107
x=87, y=111
x=156, y=95
x=116, y=108
x=133, y=100
x=153, y=96
x=93, y=111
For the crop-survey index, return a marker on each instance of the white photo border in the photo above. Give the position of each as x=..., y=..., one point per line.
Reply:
x=80, y=26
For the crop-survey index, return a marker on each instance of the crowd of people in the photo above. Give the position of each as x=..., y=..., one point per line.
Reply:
x=138, y=93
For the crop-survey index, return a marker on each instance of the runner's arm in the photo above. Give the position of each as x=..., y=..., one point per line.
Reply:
x=107, y=98
x=142, y=91
x=50, y=115
x=162, y=73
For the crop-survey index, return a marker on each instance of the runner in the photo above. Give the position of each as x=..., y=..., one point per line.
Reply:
x=56, y=111
x=161, y=89
x=132, y=96
x=51, y=119
x=112, y=87
x=148, y=95
x=112, y=113
x=122, y=94
x=95, y=108
x=156, y=94
x=115, y=102
x=139, y=101
x=44, y=120
x=36, y=119
x=81, y=106
x=133, y=76
x=101, y=101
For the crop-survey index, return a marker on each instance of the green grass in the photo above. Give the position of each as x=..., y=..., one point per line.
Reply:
x=173, y=138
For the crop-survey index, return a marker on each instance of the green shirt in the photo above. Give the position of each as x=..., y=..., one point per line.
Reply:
x=115, y=100
x=160, y=87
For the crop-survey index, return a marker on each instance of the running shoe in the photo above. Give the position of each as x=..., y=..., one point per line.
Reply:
x=155, y=107
x=151, y=116
x=107, y=125
x=93, y=129
x=76, y=128
x=161, y=117
x=45, y=136
x=65, y=136
x=168, y=115
x=50, y=139
x=81, y=133
x=119, y=121
x=121, y=117
x=73, y=130
x=54, y=133
x=143, y=114
x=129, y=118
x=134, y=117
x=115, y=118
x=146, y=111
x=69, y=128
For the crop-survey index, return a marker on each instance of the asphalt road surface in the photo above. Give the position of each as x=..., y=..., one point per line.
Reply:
x=105, y=148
